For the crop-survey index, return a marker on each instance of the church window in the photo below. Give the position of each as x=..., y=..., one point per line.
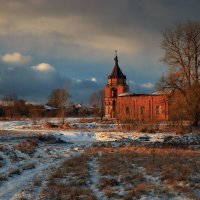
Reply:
x=114, y=93
x=142, y=110
x=158, y=110
x=127, y=110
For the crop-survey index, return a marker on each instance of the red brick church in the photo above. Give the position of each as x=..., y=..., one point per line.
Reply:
x=120, y=104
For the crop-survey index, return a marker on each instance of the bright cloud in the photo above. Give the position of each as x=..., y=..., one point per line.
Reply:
x=43, y=67
x=16, y=59
x=147, y=85
x=93, y=79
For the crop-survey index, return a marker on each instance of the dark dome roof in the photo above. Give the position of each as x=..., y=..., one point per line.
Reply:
x=117, y=73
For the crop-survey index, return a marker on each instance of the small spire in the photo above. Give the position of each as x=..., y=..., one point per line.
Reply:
x=116, y=58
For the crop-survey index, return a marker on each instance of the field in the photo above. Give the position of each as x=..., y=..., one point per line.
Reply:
x=95, y=160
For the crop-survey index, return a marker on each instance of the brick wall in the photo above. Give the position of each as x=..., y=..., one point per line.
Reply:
x=149, y=108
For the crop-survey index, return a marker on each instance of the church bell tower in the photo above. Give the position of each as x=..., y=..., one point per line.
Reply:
x=116, y=85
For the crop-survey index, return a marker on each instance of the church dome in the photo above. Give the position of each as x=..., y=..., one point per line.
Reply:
x=117, y=73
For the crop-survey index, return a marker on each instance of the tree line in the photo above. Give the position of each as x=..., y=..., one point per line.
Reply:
x=57, y=105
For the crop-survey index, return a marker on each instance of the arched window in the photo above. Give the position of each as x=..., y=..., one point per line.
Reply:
x=158, y=110
x=127, y=111
x=142, y=110
x=114, y=92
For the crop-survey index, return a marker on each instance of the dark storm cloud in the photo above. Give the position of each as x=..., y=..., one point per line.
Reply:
x=33, y=85
x=78, y=39
x=115, y=13
x=74, y=27
x=83, y=89
x=26, y=82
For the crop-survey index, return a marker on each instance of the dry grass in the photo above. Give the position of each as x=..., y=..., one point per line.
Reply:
x=28, y=147
x=140, y=127
x=139, y=190
x=130, y=168
x=97, y=120
x=181, y=129
x=50, y=125
x=69, y=181
x=88, y=120
x=174, y=166
x=10, y=133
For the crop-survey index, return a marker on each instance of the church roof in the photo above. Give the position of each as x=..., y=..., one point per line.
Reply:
x=117, y=73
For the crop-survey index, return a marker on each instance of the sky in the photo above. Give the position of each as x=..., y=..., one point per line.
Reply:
x=49, y=44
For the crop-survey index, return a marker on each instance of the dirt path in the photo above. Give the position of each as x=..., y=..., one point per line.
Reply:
x=27, y=184
x=15, y=184
x=94, y=179
x=34, y=186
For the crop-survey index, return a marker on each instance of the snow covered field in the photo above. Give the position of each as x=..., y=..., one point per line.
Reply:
x=30, y=156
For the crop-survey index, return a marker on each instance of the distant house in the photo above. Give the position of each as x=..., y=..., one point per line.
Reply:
x=120, y=104
x=10, y=100
x=7, y=103
x=78, y=105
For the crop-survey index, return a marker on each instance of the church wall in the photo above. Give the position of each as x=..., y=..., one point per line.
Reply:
x=111, y=96
x=133, y=107
x=143, y=108
x=120, y=89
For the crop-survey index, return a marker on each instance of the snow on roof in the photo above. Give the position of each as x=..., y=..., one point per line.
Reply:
x=78, y=105
x=124, y=94
x=49, y=107
x=162, y=92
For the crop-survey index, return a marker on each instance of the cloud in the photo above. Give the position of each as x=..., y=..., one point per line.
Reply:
x=16, y=59
x=86, y=49
x=43, y=67
x=96, y=30
x=81, y=91
x=147, y=85
x=29, y=85
x=93, y=79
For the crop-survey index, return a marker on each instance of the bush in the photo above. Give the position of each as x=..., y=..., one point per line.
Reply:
x=50, y=125
x=27, y=147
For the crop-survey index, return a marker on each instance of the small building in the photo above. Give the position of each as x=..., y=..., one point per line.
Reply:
x=120, y=104
x=7, y=103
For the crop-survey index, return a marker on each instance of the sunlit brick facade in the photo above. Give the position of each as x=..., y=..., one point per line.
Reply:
x=129, y=107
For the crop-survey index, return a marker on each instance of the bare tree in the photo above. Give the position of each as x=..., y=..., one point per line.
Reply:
x=97, y=101
x=58, y=99
x=36, y=113
x=181, y=45
x=94, y=100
